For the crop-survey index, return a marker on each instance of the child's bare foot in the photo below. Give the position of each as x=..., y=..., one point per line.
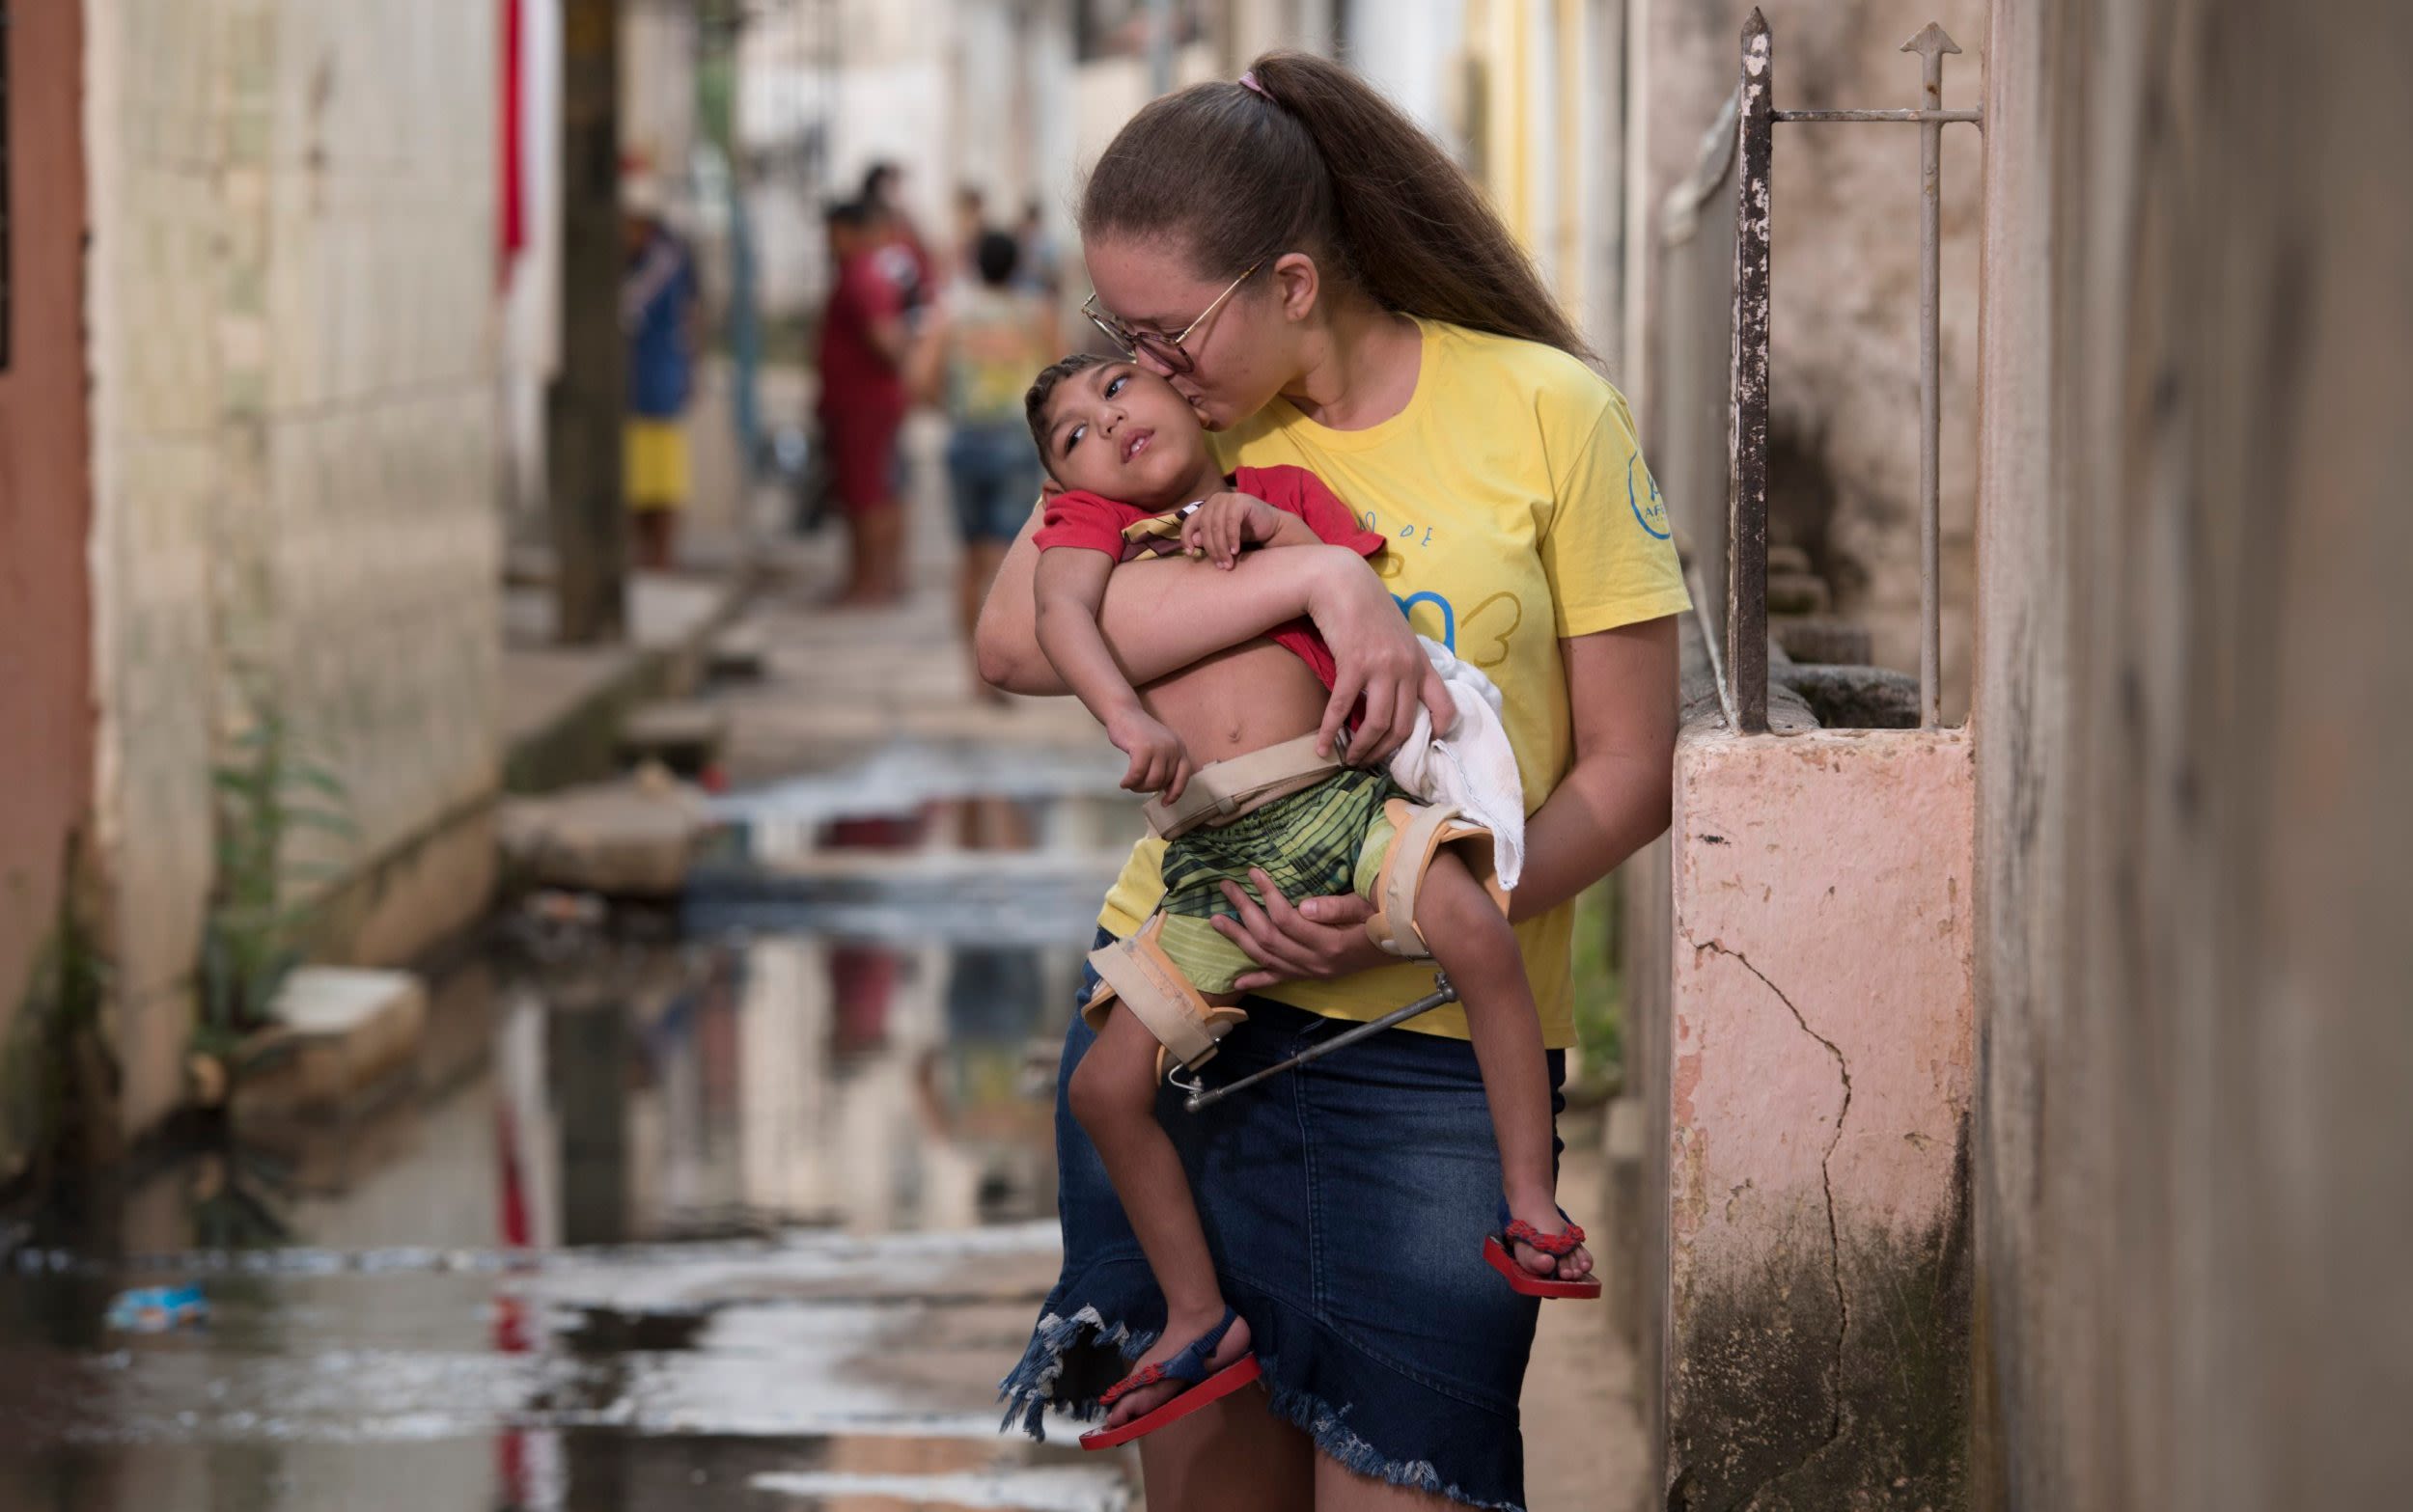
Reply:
x=1546, y=1219
x=1181, y=1333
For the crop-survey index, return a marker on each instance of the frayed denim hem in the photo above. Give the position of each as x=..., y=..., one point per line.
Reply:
x=1322, y=1422
x=1029, y=1390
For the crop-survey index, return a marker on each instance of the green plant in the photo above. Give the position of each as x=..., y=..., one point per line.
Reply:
x=262, y=913
x=57, y=1077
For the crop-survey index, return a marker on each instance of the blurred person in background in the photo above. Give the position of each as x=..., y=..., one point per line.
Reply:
x=862, y=405
x=658, y=298
x=971, y=224
x=904, y=257
x=1042, y=265
x=992, y=336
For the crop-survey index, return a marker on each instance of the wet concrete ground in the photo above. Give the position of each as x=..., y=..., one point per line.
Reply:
x=756, y=1223
x=745, y=1207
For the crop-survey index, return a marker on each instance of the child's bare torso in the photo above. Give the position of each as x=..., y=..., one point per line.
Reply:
x=1248, y=697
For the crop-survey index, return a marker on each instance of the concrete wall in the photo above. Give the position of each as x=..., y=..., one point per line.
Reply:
x=45, y=500
x=2194, y=706
x=289, y=305
x=1820, y=1051
x=1843, y=343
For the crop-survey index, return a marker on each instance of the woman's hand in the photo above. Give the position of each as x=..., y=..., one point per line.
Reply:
x=1316, y=939
x=1378, y=658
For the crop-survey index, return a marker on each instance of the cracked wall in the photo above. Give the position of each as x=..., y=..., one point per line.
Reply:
x=1820, y=1066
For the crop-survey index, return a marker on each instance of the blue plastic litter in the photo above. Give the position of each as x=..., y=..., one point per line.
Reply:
x=157, y=1310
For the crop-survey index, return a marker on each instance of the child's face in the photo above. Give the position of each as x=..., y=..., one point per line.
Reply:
x=1121, y=432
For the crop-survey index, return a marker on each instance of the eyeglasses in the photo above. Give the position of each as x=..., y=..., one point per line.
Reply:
x=1166, y=351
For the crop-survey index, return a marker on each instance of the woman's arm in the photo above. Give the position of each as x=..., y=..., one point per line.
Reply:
x=1621, y=688
x=1614, y=800
x=1161, y=616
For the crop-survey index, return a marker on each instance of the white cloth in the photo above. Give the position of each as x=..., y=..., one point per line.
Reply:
x=1470, y=766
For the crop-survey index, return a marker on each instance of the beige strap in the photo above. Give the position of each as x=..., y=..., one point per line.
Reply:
x=1422, y=832
x=1222, y=791
x=1138, y=972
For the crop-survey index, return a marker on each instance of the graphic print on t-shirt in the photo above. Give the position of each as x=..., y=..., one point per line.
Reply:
x=1478, y=637
x=1642, y=496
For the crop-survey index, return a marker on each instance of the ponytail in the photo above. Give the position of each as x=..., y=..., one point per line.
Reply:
x=1308, y=157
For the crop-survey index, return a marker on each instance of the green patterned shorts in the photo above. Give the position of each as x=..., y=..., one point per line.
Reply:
x=1326, y=839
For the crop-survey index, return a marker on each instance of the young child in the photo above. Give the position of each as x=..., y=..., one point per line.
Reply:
x=1229, y=747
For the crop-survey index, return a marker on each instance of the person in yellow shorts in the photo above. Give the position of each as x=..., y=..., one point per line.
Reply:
x=657, y=309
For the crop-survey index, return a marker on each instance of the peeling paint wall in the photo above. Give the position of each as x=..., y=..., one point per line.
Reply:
x=2195, y=704
x=1819, y=1072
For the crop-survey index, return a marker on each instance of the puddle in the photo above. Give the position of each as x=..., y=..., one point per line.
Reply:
x=750, y=1207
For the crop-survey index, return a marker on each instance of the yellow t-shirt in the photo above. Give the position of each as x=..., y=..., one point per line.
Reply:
x=1518, y=512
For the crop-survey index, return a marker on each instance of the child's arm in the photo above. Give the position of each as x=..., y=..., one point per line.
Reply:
x=1069, y=584
x=1218, y=528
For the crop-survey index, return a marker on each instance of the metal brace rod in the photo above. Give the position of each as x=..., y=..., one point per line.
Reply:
x=1202, y=1096
x=1940, y=116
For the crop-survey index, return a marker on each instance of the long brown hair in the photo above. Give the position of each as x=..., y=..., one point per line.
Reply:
x=1319, y=162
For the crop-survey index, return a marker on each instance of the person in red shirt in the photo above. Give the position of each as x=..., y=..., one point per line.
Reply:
x=1136, y=475
x=862, y=405
x=903, y=256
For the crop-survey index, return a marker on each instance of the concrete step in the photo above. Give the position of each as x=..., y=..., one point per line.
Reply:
x=634, y=837
x=344, y=1039
x=1797, y=593
x=741, y=653
x=1823, y=639
x=682, y=734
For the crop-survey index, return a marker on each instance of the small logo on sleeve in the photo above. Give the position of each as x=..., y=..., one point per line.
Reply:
x=1649, y=509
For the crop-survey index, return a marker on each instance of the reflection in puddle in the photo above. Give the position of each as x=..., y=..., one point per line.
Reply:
x=751, y=1215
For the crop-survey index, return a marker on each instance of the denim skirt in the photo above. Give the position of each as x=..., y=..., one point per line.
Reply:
x=1345, y=1205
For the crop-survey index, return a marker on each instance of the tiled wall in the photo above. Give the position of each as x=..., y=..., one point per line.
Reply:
x=293, y=350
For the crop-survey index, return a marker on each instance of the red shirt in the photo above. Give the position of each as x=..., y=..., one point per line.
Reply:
x=1076, y=518
x=857, y=378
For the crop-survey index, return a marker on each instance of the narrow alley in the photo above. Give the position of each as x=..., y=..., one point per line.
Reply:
x=536, y=977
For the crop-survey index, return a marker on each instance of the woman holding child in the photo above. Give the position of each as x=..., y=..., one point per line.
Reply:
x=1328, y=293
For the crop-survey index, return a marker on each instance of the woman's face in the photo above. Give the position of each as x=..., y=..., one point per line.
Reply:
x=1241, y=355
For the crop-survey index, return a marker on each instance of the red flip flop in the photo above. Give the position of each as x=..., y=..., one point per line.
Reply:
x=1188, y=1365
x=1557, y=1246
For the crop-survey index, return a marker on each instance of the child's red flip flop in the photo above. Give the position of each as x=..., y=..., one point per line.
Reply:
x=1188, y=1365
x=1495, y=1249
